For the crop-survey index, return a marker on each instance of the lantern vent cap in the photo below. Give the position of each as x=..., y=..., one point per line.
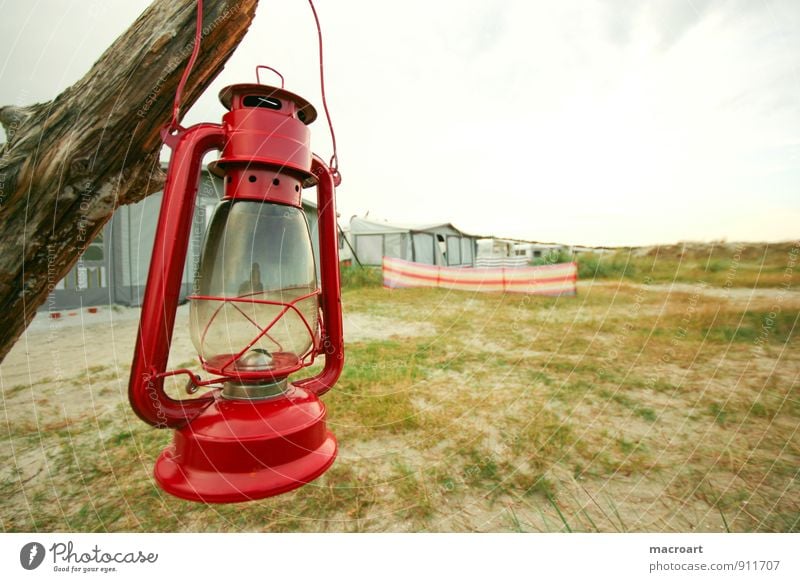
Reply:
x=228, y=97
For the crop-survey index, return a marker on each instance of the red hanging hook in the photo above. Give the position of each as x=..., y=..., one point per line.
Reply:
x=334, y=163
x=169, y=131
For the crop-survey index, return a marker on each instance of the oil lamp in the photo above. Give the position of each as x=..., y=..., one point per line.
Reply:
x=257, y=315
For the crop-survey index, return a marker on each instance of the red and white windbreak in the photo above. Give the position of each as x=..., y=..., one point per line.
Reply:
x=558, y=279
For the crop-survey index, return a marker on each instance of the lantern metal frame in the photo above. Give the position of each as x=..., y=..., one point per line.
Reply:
x=281, y=442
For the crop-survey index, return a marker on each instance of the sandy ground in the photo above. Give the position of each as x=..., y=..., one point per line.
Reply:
x=79, y=341
x=735, y=294
x=77, y=367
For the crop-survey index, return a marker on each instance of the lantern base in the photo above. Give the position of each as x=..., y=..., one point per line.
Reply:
x=245, y=450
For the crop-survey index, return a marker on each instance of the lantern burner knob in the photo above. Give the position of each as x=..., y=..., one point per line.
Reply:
x=257, y=359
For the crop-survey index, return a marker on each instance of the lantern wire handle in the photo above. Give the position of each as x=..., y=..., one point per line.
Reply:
x=258, y=80
x=334, y=163
x=174, y=123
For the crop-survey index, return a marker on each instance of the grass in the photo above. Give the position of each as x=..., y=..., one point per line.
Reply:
x=727, y=266
x=355, y=277
x=618, y=265
x=623, y=409
x=377, y=385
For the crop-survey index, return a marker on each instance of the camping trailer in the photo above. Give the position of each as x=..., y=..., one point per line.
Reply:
x=434, y=244
x=533, y=251
x=495, y=248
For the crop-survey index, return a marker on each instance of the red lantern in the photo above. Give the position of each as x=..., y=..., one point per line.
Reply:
x=257, y=315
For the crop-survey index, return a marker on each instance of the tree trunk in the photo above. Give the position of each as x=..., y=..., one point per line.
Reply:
x=69, y=163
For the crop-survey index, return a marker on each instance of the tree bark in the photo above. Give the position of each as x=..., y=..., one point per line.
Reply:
x=69, y=163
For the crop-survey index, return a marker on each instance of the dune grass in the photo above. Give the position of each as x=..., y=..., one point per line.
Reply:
x=727, y=265
x=356, y=277
x=626, y=408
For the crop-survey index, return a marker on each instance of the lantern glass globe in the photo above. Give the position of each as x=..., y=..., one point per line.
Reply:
x=256, y=261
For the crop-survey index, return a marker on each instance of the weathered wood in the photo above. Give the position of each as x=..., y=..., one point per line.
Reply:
x=69, y=163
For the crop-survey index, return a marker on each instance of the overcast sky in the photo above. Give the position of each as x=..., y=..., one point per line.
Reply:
x=595, y=122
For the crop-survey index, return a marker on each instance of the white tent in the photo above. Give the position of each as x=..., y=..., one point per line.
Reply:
x=114, y=267
x=435, y=244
